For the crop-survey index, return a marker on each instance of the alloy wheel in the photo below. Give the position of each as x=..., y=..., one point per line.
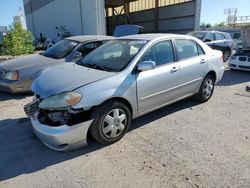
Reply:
x=208, y=89
x=114, y=123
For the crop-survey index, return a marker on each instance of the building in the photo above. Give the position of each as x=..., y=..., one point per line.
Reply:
x=19, y=18
x=101, y=16
x=3, y=31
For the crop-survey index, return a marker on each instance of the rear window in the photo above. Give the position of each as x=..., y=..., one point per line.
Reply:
x=199, y=35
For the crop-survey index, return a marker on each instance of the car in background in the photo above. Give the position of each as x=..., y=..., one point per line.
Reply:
x=235, y=34
x=119, y=81
x=216, y=40
x=240, y=61
x=16, y=75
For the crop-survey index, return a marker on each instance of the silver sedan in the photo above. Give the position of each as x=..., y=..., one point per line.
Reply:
x=121, y=80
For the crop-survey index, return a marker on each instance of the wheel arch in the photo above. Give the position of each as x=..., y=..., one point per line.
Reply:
x=120, y=99
x=213, y=73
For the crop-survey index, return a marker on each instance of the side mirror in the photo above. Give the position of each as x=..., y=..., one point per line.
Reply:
x=77, y=55
x=146, y=65
x=208, y=40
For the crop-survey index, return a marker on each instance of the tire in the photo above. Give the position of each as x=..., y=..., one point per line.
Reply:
x=206, y=89
x=226, y=55
x=111, y=122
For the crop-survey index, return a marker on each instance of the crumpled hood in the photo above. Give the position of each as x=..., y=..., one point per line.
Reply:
x=66, y=77
x=25, y=62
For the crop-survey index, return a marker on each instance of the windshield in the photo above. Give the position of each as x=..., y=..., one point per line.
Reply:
x=199, y=35
x=61, y=49
x=113, y=56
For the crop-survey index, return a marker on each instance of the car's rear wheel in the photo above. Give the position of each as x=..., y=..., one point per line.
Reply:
x=111, y=122
x=206, y=89
x=226, y=55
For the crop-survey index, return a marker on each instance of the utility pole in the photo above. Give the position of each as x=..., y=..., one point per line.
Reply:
x=231, y=16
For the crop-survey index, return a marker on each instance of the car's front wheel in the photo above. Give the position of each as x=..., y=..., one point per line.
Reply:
x=111, y=122
x=206, y=89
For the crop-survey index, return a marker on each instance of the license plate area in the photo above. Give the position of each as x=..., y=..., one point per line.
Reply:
x=31, y=108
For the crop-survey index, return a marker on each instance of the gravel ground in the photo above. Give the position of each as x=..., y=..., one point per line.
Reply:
x=183, y=145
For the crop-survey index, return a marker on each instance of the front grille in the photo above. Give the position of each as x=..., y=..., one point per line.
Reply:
x=1, y=75
x=244, y=67
x=31, y=108
x=232, y=65
x=242, y=58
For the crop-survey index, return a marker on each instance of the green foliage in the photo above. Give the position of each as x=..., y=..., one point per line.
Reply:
x=17, y=41
x=221, y=24
x=62, y=32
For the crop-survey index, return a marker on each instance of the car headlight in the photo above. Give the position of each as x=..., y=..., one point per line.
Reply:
x=62, y=100
x=11, y=75
x=233, y=57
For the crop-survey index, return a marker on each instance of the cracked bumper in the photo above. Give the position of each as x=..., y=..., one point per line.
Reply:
x=64, y=137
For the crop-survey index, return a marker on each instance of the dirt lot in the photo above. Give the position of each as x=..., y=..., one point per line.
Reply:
x=184, y=145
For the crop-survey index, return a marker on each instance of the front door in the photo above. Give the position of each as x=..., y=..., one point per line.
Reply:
x=158, y=86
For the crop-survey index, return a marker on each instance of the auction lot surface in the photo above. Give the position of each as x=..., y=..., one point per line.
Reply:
x=183, y=145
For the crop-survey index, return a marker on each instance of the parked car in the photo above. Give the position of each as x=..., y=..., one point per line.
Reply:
x=16, y=75
x=241, y=59
x=235, y=34
x=216, y=40
x=121, y=80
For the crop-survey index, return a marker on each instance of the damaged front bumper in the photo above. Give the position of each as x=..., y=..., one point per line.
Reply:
x=56, y=131
x=64, y=137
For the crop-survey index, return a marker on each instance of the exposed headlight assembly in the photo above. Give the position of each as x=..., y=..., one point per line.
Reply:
x=11, y=75
x=60, y=101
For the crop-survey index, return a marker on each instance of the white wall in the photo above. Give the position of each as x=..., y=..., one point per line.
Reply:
x=93, y=17
x=68, y=13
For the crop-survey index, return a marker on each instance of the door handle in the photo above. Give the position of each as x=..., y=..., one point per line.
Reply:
x=174, y=69
x=203, y=61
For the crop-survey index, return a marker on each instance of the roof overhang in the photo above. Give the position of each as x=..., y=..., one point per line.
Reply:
x=116, y=3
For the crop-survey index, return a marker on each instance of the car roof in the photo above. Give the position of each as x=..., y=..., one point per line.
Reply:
x=151, y=36
x=209, y=32
x=84, y=38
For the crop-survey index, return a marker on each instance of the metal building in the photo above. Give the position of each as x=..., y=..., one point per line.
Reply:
x=88, y=16
x=77, y=16
x=172, y=16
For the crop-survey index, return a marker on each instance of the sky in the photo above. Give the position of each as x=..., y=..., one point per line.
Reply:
x=9, y=9
x=212, y=10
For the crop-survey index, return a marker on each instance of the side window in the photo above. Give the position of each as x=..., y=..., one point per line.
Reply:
x=209, y=37
x=89, y=47
x=200, y=50
x=219, y=36
x=236, y=36
x=104, y=42
x=186, y=49
x=161, y=53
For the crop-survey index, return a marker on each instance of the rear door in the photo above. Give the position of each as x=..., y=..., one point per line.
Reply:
x=193, y=65
x=160, y=85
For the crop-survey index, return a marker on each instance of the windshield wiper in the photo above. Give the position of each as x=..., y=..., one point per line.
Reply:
x=99, y=67
x=49, y=55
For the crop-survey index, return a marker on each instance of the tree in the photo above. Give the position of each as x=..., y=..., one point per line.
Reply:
x=17, y=41
x=221, y=24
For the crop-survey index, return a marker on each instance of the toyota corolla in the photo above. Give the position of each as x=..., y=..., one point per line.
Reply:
x=121, y=80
